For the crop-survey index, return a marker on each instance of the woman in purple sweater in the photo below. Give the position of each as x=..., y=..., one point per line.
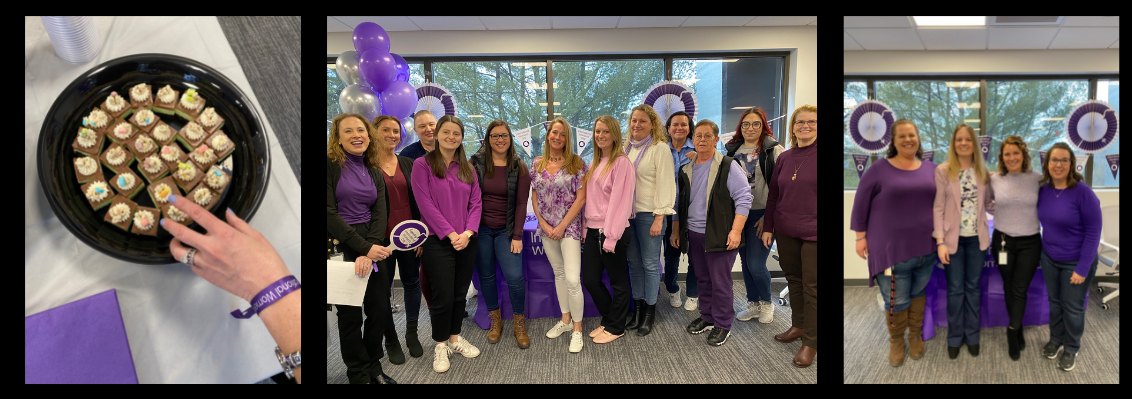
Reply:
x=792, y=207
x=892, y=215
x=1070, y=214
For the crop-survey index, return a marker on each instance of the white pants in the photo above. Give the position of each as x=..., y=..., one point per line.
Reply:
x=565, y=258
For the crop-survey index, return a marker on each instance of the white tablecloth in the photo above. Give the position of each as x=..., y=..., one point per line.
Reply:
x=177, y=323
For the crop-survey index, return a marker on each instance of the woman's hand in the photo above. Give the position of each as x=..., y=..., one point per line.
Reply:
x=420, y=250
x=863, y=248
x=675, y=241
x=943, y=255
x=657, y=227
x=461, y=241
x=1076, y=279
x=733, y=239
x=766, y=239
x=547, y=229
x=232, y=255
x=558, y=232
x=378, y=252
x=362, y=266
x=516, y=246
x=759, y=228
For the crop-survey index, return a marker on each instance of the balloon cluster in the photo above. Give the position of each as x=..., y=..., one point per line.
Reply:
x=377, y=81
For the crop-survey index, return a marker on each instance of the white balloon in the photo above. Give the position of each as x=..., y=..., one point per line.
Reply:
x=358, y=99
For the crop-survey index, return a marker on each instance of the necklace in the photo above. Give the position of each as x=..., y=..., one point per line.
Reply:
x=553, y=159
x=1058, y=195
x=799, y=166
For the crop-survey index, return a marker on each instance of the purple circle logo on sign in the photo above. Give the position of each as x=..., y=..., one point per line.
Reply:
x=408, y=235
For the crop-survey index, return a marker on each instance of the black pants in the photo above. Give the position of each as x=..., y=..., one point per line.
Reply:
x=362, y=353
x=614, y=310
x=409, y=265
x=799, y=261
x=1022, y=257
x=449, y=273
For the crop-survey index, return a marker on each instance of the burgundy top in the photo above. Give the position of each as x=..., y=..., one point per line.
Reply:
x=397, y=196
x=792, y=205
x=495, y=201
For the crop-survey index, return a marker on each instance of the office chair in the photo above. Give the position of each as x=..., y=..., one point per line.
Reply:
x=1108, y=252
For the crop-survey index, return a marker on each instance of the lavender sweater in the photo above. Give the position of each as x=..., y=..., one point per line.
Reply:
x=894, y=208
x=1071, y=225
x=1015, y=203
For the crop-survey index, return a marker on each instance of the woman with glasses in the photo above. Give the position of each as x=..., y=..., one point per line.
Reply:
x=678, y=126
x=559, y=192
x=1070, y=214
x=792, y=207
x=756, y=151
x=504, y=185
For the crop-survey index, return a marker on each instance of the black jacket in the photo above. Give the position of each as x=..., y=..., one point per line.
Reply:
x=336, y=227
x=721, y=208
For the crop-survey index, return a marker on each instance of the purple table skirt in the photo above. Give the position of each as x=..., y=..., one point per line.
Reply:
x=542, y=299
x=992, y=308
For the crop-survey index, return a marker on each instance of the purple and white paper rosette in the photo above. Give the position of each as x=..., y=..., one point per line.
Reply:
x=1092, y=126
x=670, y=96
x=984, y=146
x=869, y=126
x=436, y=99
x=1113, y=163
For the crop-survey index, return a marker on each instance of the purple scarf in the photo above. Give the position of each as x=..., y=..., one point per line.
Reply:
x=643, y=143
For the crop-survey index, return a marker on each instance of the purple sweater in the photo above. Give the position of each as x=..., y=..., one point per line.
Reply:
x=447, y=205
x=1071, y=225
x=894, y=209
x=355, y=191
x=792, y=205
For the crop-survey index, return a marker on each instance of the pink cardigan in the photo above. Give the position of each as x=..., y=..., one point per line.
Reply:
x=947, y=211
x=609, y=199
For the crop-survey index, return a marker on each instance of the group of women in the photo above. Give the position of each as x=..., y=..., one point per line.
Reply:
x=617, y=209
x=909, y=212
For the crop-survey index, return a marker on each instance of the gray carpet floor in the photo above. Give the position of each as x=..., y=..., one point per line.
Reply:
x=866, y=351
x=668, y=355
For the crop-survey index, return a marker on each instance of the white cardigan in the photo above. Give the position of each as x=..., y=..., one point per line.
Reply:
x=656, y=180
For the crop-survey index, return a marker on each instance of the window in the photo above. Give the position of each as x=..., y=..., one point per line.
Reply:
x=1108, y=91
x=726, y=87
x=585, y=90
x=1034, y=110
x=486, y=91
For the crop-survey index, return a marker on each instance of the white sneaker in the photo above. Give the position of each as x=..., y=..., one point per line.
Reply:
x=471, y=292
x=576, y=342
x=558, y=329
x=463, y=347
x=675, y=300
x=440, y=362
x=750, y=313
x=691, y=303
x=766, y=312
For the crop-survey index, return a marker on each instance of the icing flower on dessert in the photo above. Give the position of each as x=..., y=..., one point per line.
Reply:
x=209, y=117
x=120, y=212
x=115, y=102
x=144, y=144
x=86, y=165
x=139, y=92
x=190, y=100
x=126, y=181
x=97, y=191
x=145, y=117
x=96, y=119
x=186, y=171
x=87, y=138
x=166, y=94
x=202, y=196
x=193, y=131
x=170, y=153
x=115, y=156
x=143, y=219
x=176, y=214
x=122, y=131
x=162, y=132
x=161, y=193
x=152, y=164
x=215, y=178
x=220, y=142
x=203, y=154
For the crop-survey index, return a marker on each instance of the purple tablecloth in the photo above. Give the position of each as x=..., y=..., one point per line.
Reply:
x=542, y=299
x=992, y=309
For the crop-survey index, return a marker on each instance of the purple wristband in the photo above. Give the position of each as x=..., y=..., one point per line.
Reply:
x=268, y=296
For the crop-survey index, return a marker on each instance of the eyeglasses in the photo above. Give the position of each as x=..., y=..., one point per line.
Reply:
x=699, y=137
x=500, y=136
x=751, y=125
x=1063, y=161
x=802, y=123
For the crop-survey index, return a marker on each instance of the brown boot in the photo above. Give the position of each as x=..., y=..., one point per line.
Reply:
x=496, y=327
x=915, y=328
x=521, y=332
x=789, y=335
x=896, y=334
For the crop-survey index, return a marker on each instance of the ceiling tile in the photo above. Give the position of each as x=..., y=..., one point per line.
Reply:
x=512, y=23
x=781, y=21
x=877, y=22
x=651, y=22
x=1085, y=38
x=390, y=24
x=954, y=38
x=584, y=22
x=1091, y=21
x=886, y=39
x=718, y=21
x=851, y=44
x=1021, y=38
x=448, y=23
x=333, y=25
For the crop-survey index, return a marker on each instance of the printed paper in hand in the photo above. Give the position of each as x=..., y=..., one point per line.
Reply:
x=343, y=286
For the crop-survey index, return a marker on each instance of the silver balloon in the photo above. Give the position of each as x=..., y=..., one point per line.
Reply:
x=358, y=99
x=406, y=134
x=347, y=67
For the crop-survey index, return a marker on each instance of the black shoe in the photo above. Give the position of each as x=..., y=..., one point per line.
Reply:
x=953, y=352
x=646, y=326
x=635, y=318
x=414, y=344
x=718, y=336
x=1021, y=339
x=973, y=349
x=1012, y=344
x=699, y=326
x=396, y=356
x=384, y=379
x=1068, y=361
x=1051, y=350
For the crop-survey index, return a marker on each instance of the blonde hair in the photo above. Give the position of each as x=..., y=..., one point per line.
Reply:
x=659, y=135
x=335, y=152
x=807, y=108
x=573, y=163
x=976, y=161
x=617, y=150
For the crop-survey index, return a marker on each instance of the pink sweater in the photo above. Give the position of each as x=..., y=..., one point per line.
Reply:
x=609, y=199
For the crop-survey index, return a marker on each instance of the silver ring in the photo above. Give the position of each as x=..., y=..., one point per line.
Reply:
x=188, y=257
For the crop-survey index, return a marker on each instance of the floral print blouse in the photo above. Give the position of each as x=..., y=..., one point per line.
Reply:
x=556, y=194
x=969, y=204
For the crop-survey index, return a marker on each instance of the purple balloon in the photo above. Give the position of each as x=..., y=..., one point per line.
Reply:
x=402, y=68
x=369, y=35
x=399, y=99
x=377, y=68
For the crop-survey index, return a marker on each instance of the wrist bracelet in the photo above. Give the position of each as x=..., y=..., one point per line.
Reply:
x=859, y=239
x=268, y=296
x=289, y=362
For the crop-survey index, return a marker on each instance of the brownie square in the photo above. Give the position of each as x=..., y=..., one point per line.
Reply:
x=183, y=135
x=162, y=171
x=85, y=178
x=134, y=103
x=169, y=131
x=154, y=195
x=165, y=107
x=119, y=126
x=92, y=150
x=176, y=150
x=150, y=222
x=119, y=179
x=138, y=121
x=122, y=113
x=90, y=124
x=185, y=219
x=132, y=145
x=201, y=189
x=100, y=203
x=221, y=152
x=226, y=179
x=187, y=184
x=124, y=225
x=203, y=156
x=124, y=166
x=216, y=124
x=189, y=114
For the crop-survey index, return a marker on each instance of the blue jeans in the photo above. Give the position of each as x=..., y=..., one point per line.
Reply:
x=963, y=276
x=495, y=244
x=644, y=257
x=1066, y=301
x=755, y=276
x=672, y=267
x=912, y=278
